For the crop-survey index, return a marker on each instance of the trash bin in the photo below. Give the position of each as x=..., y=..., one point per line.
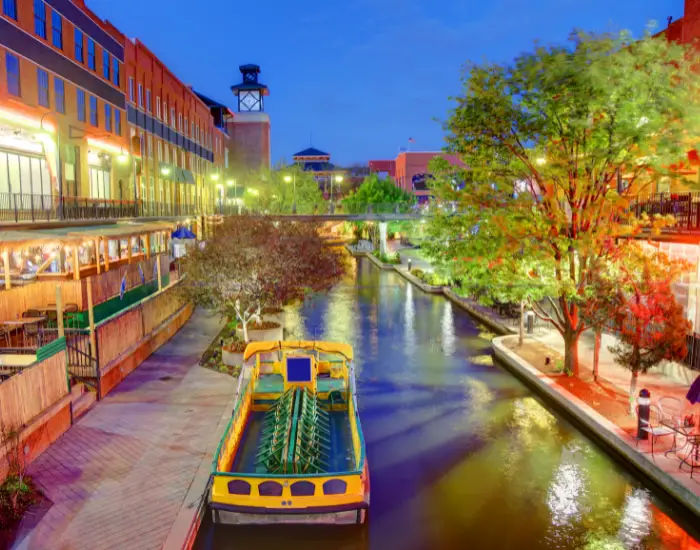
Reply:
x=643, y=402
x=530, y=322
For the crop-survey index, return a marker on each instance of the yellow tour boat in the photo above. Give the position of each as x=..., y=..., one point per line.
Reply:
x=293, y=451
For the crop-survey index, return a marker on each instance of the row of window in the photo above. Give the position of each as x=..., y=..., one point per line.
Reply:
x=110, y=64
x=111, y=123
x=189, y=129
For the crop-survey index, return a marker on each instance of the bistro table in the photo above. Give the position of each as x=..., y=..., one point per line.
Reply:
x=692, y=437
x=21, y=323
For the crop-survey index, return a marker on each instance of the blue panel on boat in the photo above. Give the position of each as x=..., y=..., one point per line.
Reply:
x=298, y=369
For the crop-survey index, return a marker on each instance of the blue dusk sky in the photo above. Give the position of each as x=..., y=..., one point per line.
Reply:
x=358, y=78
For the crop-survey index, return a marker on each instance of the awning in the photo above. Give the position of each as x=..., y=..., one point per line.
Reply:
x=183, y=233
x=309, y=345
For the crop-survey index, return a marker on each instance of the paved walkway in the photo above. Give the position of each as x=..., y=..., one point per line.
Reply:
x=118, y=477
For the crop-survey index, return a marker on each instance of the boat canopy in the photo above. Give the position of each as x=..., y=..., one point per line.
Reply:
x=312, y=345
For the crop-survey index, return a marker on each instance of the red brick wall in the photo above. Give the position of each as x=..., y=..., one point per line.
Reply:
x=251, y=143
x=408, y=164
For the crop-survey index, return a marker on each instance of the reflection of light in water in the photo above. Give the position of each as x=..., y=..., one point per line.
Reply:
x=409, y=329
x=481, y=360
x=528, y=416
x=636, y=518
x=487, y=335
x=339, y=321
x=564, y=494
x=448, y=329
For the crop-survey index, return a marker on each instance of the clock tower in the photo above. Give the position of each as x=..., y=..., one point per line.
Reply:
x=250, y=129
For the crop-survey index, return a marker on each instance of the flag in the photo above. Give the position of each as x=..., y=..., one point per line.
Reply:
x=411, y=140
x=122, y=287
x=143, y=277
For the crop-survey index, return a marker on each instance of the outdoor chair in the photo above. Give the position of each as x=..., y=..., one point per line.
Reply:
x=671, y=409
x=688, y=451
x=654, y=428
x=5, y=334
x=31, y=334
x=31, y=313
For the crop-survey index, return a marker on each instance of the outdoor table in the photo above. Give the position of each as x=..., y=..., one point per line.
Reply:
x=692, y=436
x=21, y=323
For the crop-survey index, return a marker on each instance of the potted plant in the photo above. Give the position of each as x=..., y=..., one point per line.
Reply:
x=273, y=314
x=232, y=353
x=262, y=330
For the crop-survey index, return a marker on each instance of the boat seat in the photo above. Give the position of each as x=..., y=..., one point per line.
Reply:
x=330, y=384
x=270, y=383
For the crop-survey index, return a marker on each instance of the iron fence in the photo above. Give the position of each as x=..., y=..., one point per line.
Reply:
x=684, y=207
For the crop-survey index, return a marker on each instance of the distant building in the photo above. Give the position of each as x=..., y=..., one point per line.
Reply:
x=410, y=170
x=319, y=164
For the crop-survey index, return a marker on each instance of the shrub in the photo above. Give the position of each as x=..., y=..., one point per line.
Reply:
x=271, y=310
x=237, y=346
x=265, y=325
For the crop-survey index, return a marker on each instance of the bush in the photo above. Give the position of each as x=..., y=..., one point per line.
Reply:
x=385, y=258
x=237, y=346
x=416, y=272
x=271, y=310
x=265, y=325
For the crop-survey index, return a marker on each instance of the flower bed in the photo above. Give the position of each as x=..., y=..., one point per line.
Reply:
x=267, y=330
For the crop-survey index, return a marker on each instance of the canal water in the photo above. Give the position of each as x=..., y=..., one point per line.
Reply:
x=461, y=454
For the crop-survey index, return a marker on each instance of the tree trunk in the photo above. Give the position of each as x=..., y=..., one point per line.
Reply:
x=596, y=353
x=244, y=324
x=522, y=323
x=633, y=390
x=571, y=352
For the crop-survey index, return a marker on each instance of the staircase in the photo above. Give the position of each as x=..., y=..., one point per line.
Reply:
x=82, y=399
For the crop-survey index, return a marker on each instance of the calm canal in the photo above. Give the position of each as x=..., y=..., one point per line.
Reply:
x=461, y=454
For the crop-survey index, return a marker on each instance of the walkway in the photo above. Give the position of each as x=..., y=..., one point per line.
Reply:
x=118, y=477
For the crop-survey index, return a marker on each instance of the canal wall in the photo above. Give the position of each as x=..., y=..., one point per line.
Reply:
x=608, y=435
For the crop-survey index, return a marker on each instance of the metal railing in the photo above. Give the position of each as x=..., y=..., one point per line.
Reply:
x=685, y=207
x=82, y=360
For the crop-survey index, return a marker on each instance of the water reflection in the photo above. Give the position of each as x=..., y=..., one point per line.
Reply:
x=461, y=454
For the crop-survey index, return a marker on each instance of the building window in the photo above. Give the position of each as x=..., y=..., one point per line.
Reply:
x=12, y=65
x=186, y=126
x=105, y=64
x=25, y=175
x=59, y=95
x=160, y=150
x=172, y=117
x=117, y=122
x=78, y=39
x=100, y=187
x=57, y=29
x=148, y=100
x=42, y=78
x=40, y=18
x=115, y=71
x=179, y=122
x=108, y=117
x=93, y=111
x=9, y=8
x=131, y=89
x=158, y=106
x=92, y=61
x=165, y=112
x=141, y=95
x=150, y=146
x=80, y=102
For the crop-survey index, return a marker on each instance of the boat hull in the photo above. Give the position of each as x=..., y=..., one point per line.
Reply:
x=231, y=515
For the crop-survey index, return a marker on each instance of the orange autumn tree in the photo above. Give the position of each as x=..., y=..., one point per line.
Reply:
x=649, y=322
x=559, y=144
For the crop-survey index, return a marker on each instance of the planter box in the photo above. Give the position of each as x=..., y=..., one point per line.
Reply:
x=231, y=358
x=262, y=335
x=274, y=318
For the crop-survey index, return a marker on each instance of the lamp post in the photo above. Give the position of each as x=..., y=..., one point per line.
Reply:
x=293, y=179
x=338, y=178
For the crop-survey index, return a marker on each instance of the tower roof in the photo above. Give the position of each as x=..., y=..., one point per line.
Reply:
x=311, y=152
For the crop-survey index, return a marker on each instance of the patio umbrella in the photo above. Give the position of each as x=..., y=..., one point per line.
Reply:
x=693, y=394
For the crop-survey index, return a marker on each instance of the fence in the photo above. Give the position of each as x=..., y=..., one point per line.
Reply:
x=685, y=207
x=33, y=390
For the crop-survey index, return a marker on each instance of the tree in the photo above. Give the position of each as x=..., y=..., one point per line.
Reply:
x=558, y=145
x=268, y=191
x=649, y=322
x=252, y=263
x=380, y=194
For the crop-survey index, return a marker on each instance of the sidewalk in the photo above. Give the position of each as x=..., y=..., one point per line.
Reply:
x=118, y=478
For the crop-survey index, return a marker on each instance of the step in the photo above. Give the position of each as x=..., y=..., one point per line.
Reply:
x=83, y=404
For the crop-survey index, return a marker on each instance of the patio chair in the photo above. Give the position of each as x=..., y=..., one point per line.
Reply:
x=688, y=451
x=671, y=409
x=32, y=313
x=5, y=334
x=654, y=428
x=31, y=334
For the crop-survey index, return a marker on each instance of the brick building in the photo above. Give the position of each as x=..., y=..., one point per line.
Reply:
x=410, y=170
x=90, y=120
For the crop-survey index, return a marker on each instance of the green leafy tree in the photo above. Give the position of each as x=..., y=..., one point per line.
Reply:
x=269, y=191
x=559, y=143
x=381, y=195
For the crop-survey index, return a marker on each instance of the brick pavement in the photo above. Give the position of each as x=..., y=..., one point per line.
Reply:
x=118, y=477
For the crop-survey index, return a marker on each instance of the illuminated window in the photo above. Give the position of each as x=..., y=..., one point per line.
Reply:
x=59, y=95
x=78, y=39
x=57, y=29
x=131, y=89
x=40, y=18
x=172, y=117
x=158, y=106
x=117, y=122
x=141, y=95
x=108, y=117
x=42, y=78
x=148, y=100
x=12, y=65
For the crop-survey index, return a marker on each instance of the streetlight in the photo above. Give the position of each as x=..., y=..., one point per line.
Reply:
x=293, y=179
x=338, y=178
